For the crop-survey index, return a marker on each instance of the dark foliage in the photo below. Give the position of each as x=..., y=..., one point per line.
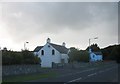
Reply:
x=94, y=48
x=23, y=57
x=111, y=53
x=78, y=55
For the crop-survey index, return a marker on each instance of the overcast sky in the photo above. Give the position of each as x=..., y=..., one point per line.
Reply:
x=70, y=22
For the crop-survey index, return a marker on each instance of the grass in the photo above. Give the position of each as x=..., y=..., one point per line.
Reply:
x=44, y=68
x=98, y=64
x=28, y=77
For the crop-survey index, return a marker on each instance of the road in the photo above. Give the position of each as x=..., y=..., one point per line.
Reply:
x=108, y=73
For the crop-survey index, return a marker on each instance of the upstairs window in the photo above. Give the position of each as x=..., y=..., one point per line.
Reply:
x=93, y=56
x=42, y=52
x=53, y=52
x=49, y=46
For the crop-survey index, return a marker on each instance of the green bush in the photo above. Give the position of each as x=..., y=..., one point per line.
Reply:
x=78, y=55
x=23, y=57
x=84, y=56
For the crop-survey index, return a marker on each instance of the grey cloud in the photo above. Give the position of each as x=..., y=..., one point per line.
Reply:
x=37, y=18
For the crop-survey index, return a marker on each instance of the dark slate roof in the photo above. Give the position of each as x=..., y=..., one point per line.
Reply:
x=98, y=53
x=60, y=48
x=37, y=48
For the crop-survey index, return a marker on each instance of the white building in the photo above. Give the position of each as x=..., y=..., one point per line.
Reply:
x=95, y=56
x=52, y=53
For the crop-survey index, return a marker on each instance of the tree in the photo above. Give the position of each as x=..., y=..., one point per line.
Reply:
x=37, y=60
x=6, y=58
x=84, y=56
x=78, y=55
x=28, y=57
x=114, y=55
x=94, y=48
x=5, y=49
x=73, y=55
x=23, y=57
x=111, y=53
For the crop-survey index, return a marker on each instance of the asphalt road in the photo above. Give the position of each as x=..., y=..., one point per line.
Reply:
x=108, y=73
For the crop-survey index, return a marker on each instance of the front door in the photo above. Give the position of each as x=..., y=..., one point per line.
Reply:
x=62, y=61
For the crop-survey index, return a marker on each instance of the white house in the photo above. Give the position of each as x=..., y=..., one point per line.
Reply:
x=52, y=53
x=95, y=56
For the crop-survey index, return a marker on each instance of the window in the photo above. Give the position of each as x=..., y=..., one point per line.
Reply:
x=53, y=52
x=49, y=46
x=93, y=56
x=42, y=52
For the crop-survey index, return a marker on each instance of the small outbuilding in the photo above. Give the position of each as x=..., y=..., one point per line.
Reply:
x=95, y=56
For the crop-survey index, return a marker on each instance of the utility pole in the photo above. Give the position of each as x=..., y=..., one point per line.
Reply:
x=25, y=48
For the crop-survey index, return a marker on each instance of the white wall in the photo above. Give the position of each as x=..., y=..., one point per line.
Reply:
x=99, y=57
x=94, y=57
x=48, y=58
x=91, y=57
x=65, y=57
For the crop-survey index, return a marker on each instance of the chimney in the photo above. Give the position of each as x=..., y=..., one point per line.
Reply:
x=48, y=40
x=63, y=44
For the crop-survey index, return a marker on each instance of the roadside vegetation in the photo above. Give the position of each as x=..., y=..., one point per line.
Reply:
x=78, y=55
x=28, y=77
x=27, y=57
x=109, y=53
x=24, y=57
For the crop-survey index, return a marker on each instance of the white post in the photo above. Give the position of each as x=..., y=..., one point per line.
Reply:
x=90, y=39
x=25, y=45
x=89, y=44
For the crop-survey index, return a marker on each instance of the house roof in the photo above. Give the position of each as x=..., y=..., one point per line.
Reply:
x=37, y=48
x=60, y=48
x=98, y=53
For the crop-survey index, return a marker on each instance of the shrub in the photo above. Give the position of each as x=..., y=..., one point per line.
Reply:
x=78, y=55
x=23, y=57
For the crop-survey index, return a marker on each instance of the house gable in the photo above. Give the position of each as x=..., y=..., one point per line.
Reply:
x=48, y=50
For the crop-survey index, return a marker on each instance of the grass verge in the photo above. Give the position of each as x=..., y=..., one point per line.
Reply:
x=28, y=77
